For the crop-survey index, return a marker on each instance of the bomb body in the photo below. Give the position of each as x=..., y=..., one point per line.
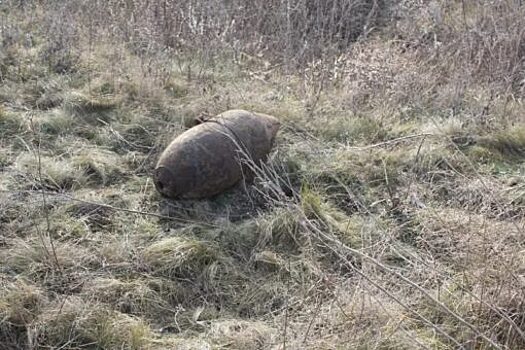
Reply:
x=206, y=159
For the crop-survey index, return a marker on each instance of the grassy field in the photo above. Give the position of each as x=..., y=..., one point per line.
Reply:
x=390, y=215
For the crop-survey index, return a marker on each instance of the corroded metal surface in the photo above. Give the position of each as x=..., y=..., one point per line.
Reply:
x=205, y=160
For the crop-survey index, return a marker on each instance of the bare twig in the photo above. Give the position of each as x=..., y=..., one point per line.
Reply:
x=44, y=200
x=138, y=212
x=391, y=142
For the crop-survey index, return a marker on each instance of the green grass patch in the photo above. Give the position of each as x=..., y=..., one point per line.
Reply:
x=509, y=143
x=351, y=130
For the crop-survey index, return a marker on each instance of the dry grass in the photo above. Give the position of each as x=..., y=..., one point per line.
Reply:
x=390, y=214
x=75, y=324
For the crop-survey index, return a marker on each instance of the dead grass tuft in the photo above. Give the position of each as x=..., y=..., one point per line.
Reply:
x=241, y=334
x=20, y=305
x=90, y=109
x=182, y=257
x=75, y=323
x=100, y=167
x=11, y=124
x=141, y=297
x=57, y=173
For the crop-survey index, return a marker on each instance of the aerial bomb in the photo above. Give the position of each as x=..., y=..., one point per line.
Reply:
x=208, y=158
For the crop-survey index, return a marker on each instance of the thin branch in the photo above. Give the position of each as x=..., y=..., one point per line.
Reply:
x=126, y=210
x=390, y=142
x=44, y=201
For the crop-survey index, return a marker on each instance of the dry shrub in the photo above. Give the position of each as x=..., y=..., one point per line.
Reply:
x=443, y=57
x=468, y=240
x=293, y=30
x=465, y=42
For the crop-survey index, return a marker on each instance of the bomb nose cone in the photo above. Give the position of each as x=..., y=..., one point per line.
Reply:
x=162, y=178
x=272, y=124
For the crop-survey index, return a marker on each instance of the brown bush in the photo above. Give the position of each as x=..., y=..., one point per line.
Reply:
x=292, y=30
